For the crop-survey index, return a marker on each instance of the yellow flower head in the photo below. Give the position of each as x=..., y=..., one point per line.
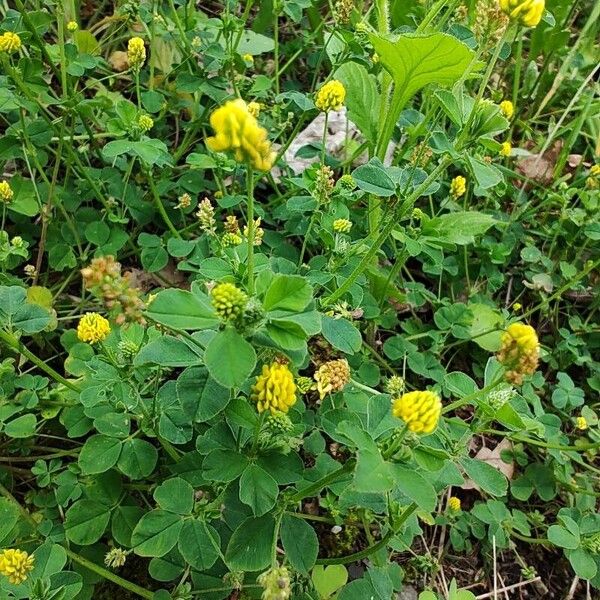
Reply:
x=231, y=239
x=15, y=565
x=145, y=123
x=136, y=52
x=72, y=26
x=254, y=109
x=248, y=58
x=458, y=186
x=6, y=193
x=276, y=584
x=237, y=131
x=519, y=352
x=507, y=108
x=581, y=423
x=10, y=42
x=332, y=376
x=517, y=306
x=228, y=300
x=419, y=410
x=93, y=328
x=595, y=171
x=274, y=389
x=527, y=12
x=454, y=504
x=505, y=149
x=331, y=96
x=342, y=225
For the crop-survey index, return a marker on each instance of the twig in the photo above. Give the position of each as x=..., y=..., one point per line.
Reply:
x=571, y=594
x=508, y=588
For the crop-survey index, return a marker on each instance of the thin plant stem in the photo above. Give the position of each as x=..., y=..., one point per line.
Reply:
x=385, y=232
x=12, y=342
x=250, y=225
x=159, y=205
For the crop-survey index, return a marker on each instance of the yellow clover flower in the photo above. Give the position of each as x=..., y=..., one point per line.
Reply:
x=458, y=186
x=274, y=389
x=10, y=42
x=237, y=131
x=15, y=565
x=595, y=171
x=419, y=410
x=581, y=423
x=342, y=225
x=6, y=193
x=248, y=58
x=527, y=12
x=136, y=52
x=332, y=377
x=93, y=328
x=72, y=26
x=507, y=108
x=228, y=300
x=505, y=149
x=519, y=352
x=454, y=504
x=331, y=96
x=145, y=123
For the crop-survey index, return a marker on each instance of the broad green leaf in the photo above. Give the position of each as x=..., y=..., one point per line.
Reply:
x=200, y=395
x=230, y=359
x=490, y=480
x=182, y=310
x=138, y=458
x=169, y=351
x=21, y=427
x=258, y=490
x=328, y=580
x=49, y=559
x=224, y=465
x=583, y=563
x=459, y=384
x=458, y=228
x=341, y=334
x=175, y=495
x=156, y=533
x=288, y=292
x=124, y=520
x=251, y=545
x=197, y=544
x=486, y=327
x=561, y=537
x=99, y=454
x=486, y=176
x=300, y=543
x=9, y=515
x=362, y=98
x=374, y=179
x=416, y=487
x=86, y=521
x=414, y=61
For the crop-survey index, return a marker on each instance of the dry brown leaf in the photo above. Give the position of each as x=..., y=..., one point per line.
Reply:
x=492, y=458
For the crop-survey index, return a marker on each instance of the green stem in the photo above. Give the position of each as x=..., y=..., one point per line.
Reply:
x=160, y=206
x=12, y=342
x=486, y=77
x=382, y=543
x=316, y=487
x=250, y=219
x=527, y=440
x=469, y=399
x=385, y=232
x=127, y=585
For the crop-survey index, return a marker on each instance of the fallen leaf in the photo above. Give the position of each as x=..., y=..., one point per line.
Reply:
x=492, y=457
